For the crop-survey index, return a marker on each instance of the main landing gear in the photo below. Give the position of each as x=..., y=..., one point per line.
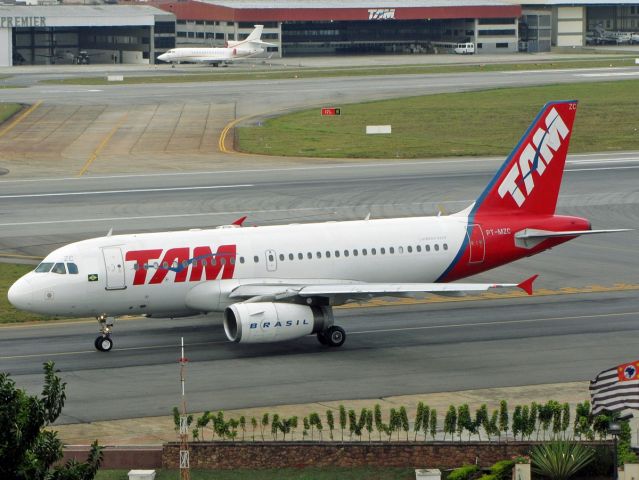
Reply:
x=103, y=342
x=333, y=336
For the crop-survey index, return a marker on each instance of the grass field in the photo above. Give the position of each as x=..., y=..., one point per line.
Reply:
x=488, y=122
x=9, y=273
x=8, y=109
x=277, y=474
x=291, y=73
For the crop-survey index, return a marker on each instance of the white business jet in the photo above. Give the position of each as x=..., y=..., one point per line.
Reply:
x=249, y=47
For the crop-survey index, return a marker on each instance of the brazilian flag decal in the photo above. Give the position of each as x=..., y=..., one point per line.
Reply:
x=93, y=277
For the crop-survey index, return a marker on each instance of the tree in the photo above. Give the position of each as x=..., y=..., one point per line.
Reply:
x=517, y=421
x=200, y=423
x=27, y=452
x=254, y=427
x=307, y=427
x=450, y=422
x=433, y=423
x=403, y=418
x=315, y=421
x=330, y=421
x=532, y=419
x=243, y=425
x=493, y=425
x=481, y=420
x=503, y=418
x=565, y=418
x=425, y=421
x=369, y=423
x=275, y=425
x=464, y=421
x=263, y=424
x=419, y=415
x=379, y=422
x=342, y=419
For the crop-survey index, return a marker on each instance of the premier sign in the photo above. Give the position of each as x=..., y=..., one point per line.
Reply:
x=9, y=22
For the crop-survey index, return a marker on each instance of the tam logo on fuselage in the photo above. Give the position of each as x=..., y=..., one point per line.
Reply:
x=534, y=158
x=180, y=261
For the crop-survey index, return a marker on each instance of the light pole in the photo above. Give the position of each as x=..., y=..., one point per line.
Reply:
x=614, y=429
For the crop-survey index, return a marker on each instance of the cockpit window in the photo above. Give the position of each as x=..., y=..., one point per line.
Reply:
x=59, y=268
x=73, y=268
x=44, y=267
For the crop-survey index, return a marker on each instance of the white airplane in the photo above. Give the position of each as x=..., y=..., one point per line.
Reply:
x=249, y=47
x=277, y=283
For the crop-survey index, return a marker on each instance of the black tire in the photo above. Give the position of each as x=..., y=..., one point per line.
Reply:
x=104, y=344
x=321, y=338
x=98, y=343
x=336, y=336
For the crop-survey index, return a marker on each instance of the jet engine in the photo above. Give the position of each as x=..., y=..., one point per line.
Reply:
x=265, y=322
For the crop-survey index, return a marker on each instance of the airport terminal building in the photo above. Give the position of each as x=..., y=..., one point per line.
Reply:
x=51, y=34
x=138, y=33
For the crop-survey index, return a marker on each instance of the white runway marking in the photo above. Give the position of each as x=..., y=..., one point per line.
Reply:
x=608, y=74
x=136, y=190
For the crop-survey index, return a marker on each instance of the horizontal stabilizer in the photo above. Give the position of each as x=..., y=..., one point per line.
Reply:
x=531, y=237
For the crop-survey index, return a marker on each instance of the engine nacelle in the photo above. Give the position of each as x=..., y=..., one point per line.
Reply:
x=264, y=322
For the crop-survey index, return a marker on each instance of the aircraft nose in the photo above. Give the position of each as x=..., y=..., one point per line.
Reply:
x=162, y=57
x=20, y=294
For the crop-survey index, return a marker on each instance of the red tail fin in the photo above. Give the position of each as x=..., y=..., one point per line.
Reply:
x=529, y=180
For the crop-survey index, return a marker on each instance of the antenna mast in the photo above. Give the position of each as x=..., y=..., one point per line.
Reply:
x=185, y=472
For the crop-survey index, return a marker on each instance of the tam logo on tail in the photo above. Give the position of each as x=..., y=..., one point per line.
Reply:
x=544, y=144
x=529, y=179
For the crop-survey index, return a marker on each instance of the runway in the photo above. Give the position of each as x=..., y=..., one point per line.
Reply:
x=390, y=350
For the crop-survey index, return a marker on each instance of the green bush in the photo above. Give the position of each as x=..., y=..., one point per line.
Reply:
x=502, y=470
x=560, y=460
x=463, y=473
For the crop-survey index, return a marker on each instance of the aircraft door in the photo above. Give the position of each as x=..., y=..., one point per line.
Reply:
x=477, y=243
x=114, y=267
x=271, y=260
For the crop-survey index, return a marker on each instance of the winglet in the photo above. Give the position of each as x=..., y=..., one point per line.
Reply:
x=527, y=285
x=239, y=221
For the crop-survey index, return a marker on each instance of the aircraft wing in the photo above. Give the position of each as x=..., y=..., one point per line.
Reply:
x=342, y=293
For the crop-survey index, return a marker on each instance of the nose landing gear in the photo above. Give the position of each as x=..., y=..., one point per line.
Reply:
x=103, y=342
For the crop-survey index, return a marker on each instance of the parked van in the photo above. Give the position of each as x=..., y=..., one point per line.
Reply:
x=463, y=48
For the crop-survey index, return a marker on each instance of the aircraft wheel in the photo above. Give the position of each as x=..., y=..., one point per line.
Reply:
x=321, y=338
x=336, y=336
x=103, y=344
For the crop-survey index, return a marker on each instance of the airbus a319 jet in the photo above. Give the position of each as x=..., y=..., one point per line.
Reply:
x=276, y=283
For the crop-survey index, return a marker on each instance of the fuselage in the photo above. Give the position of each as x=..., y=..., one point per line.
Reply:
x=210, y=55
x=191, y=272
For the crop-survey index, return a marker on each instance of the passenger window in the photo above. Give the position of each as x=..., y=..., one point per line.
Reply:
x=223, y=261
x=336, y=253
x=437, y=247
x=241, y=259
x=282, y=257
x=185, y=263
x=59, y=268
x=309, y=255
x=73, y=268
x=364, y=252
x=373, y=251
x=270, y=258
x=328, y=254
x=419, y=248
x=400, y=250
x=290, y=256
x=136, y=267
x=346, y=253
x=355, y=252
x=428, y=248
x=232, y=260
x=391, y=250
x=213, y=261
x=44, y=267
x=410, y=249
x=165, y=265
x=445, y=246
x=319, y=254
x=146, y=266
x=256, y=259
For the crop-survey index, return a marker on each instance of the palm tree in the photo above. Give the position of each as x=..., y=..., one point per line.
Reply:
x=560, y=460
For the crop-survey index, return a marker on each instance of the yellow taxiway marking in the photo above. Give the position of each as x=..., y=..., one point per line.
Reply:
x=19, y=118
x=101, y=146
x=225, y=131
